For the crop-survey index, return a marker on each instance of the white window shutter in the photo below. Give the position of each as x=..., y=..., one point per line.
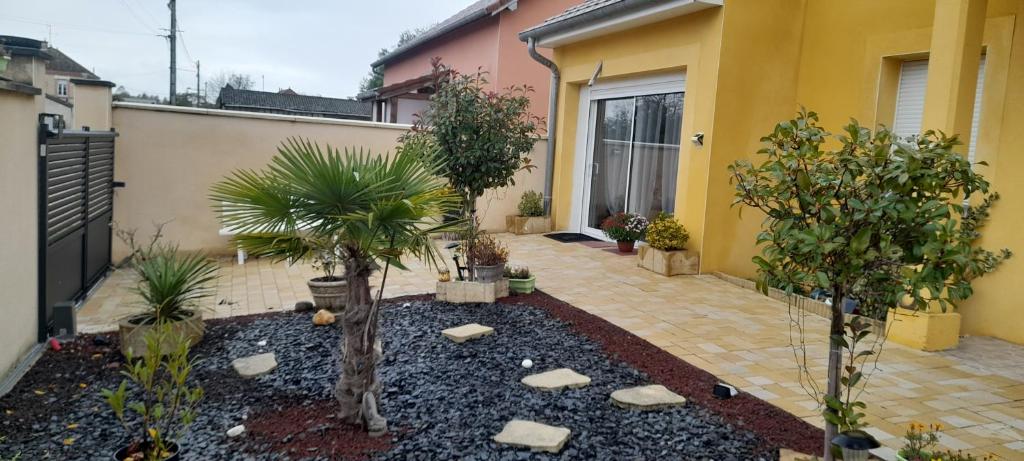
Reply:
x=976, y=116
x=910, y=98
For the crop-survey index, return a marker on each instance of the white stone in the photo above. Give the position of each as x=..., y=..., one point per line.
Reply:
x=255, y=365
x=236, y=431
x=467, y=332
x=647, y=397
x=535, y=436
x=262, y=343
x=527, y=363
x=556, y=379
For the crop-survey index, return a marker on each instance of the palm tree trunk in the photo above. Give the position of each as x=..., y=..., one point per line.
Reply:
x=358, y=388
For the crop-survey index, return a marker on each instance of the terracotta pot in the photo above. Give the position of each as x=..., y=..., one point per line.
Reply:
x=133, y=333
x=329, y=294
x=487, y=274
x=121, y=454
x=626, y=246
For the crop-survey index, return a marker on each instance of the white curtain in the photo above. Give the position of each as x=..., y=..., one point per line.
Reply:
x=656, y=135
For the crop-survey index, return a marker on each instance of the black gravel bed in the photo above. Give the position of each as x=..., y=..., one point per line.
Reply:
x=443, y=400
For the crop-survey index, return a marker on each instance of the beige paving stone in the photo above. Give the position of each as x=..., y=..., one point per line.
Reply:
x=651, y=397
x=535, y=436
x=557, y=379
x=461, y=334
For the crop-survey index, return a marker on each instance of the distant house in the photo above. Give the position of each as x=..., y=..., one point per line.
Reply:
x=71, y=90
x=482, y=36
x=290, y=103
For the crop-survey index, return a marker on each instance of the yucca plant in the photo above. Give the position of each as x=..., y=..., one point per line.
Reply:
x=171, y=283
x=377, y=210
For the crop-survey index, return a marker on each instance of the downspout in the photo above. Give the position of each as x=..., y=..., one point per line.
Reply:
x=556, y=79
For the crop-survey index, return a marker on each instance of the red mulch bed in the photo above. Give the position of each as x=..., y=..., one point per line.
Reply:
x=769, y=422
x=313, y=430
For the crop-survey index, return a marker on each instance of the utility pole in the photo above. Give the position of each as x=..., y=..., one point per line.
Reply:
x=197, y=84
x=173, y=37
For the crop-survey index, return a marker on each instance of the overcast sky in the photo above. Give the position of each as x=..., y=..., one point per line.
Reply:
x=315, y=47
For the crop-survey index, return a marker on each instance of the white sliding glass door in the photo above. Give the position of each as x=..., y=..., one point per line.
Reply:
x=633, y=156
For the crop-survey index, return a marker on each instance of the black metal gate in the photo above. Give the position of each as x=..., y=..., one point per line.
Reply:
x=76, y=209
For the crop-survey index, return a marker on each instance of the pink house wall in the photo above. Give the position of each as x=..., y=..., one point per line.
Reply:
x=491, y=44
x=465, y=49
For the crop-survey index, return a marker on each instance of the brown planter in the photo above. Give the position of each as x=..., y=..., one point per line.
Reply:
x=133, y=333
x=626, y=246
x=329, y=294
x=521, y=225
x=668, y=263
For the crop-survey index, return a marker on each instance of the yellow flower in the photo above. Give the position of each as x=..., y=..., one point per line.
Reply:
x=152, y=433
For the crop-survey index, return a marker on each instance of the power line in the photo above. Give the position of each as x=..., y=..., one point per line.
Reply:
x=181, y=34
x=138, y=18
x=77, y=26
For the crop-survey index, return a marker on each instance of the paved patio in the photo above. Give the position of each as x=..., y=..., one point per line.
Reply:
x=976, y=391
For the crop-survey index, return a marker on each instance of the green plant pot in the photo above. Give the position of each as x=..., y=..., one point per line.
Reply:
x=522, y=286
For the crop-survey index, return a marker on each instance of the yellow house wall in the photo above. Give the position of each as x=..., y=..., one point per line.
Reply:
x=687, y=43
x=757, y=82
x=996, y=309
x=848, y=67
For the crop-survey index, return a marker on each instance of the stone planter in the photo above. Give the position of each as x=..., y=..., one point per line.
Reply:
x=521, y=225
x=681, y=262
x=471, y=292
x=489, y=274
x=926, y=331
x=329, y=294
x=522, y=286
x=133, y=333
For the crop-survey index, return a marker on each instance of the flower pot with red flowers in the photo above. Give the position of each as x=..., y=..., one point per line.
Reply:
x=625, y=229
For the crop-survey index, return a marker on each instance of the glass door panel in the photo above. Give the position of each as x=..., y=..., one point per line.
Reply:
x=657, y=127
x=609, y=169
x=634, y=157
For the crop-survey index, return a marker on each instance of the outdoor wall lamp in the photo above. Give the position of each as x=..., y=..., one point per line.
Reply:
x=856, y=445
x=698, y=138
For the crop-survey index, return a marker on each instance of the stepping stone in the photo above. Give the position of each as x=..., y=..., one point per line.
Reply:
x=255, y=365
x=651, y=397
x=556, y=379
x=467, y=332
x=535, y=436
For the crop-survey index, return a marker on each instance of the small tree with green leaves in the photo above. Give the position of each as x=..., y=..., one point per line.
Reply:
x=164, y=403
x=879, y=220
x=479, y=138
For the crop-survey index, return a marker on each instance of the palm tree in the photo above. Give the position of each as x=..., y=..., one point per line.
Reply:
x=373, y=211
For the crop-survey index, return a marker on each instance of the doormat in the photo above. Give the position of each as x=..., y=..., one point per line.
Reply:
x=570, y=237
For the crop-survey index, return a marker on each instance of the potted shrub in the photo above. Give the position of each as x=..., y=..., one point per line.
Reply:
x=625, y=229
x=520, y=280
x=531, y=219
x=329, y=290
x=165, y=403
x=488, y=257
x=664, y=252
x=170, y=285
